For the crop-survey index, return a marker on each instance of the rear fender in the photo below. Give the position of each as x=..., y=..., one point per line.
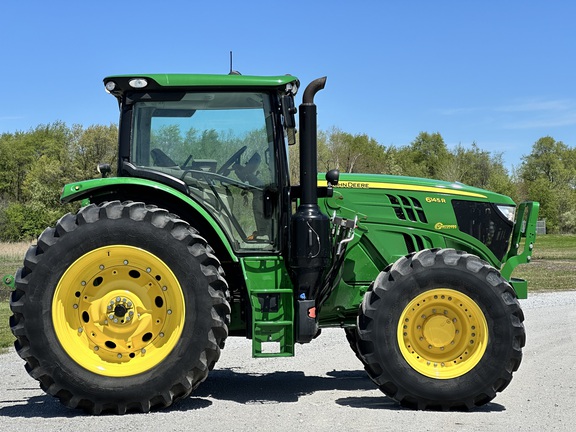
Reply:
x=130, y=188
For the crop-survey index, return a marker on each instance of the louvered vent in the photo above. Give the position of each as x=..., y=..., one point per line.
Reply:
x=407, y=208
x=416, y=243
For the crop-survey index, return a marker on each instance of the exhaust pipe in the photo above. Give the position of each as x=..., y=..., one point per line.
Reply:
x=310, y=228
x=309, y=143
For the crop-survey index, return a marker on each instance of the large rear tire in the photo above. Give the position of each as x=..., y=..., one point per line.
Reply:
x=441, y=329
x=121, y=307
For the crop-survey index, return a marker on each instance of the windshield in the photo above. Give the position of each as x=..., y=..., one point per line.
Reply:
x=221, y=145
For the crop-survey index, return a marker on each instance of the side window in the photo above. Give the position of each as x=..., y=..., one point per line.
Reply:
x=221, y=145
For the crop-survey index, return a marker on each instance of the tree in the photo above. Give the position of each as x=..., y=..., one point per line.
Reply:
x=549, y=176
x=426, y=156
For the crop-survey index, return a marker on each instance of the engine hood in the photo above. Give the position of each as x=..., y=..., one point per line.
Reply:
x=416, y=184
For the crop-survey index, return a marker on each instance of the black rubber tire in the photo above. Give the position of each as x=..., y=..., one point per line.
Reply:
x=158, y=232
x=414, y=275
x=352, y=338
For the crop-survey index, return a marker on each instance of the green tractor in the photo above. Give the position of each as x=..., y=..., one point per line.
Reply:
x=125, y=305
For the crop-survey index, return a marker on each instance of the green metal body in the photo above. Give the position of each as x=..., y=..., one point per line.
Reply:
x=396, y=216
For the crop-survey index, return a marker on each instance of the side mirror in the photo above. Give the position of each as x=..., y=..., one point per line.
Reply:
x=288, y=112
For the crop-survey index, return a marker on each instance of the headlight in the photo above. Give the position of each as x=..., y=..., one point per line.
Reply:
x=110, y=86
x=508, y=211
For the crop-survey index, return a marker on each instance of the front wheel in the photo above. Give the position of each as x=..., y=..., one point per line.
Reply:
x=121, y=307
x=441, y=329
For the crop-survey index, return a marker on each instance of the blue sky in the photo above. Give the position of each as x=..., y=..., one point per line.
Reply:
x=498, y=73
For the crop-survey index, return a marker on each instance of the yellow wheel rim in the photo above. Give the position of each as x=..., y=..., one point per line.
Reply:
x=442, y=333
x=118, y=311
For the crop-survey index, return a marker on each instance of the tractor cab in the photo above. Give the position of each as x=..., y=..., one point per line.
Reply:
x=219, y=145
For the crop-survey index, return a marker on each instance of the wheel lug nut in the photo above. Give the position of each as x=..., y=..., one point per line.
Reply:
x=143, y=350
x=111, y=316
x=96, y=348
x=119, y=355
x=169, y=311
x=101, y=267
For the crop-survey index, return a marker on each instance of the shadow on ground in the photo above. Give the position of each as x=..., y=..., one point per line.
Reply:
x=239, y=387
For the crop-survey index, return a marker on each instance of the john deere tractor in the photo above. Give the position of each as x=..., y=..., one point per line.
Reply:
x=199, y=235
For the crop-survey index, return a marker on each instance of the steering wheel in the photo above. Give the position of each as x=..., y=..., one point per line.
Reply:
x=235, y=158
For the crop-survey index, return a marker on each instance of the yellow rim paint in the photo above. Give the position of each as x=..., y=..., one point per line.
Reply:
x=395, y=186
x=442, y=333
x=118, y=311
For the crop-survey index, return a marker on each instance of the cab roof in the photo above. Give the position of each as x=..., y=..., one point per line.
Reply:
x=119, y=84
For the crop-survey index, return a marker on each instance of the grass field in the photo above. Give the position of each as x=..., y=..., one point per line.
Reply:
x=553, y=268
x=553, y=265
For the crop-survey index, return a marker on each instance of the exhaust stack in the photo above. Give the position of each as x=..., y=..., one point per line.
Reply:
x=310, y=228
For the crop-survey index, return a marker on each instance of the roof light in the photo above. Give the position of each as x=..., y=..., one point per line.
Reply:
x=138, y=83
x=292, y=88
x=110, y=86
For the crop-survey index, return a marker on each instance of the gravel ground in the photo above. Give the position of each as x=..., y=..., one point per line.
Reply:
x=325, y=388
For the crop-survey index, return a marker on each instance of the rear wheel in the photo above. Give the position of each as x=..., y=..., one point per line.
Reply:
x=121, y=307
x=441, y=329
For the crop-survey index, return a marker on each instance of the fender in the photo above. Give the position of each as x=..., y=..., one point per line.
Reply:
x=86, y=190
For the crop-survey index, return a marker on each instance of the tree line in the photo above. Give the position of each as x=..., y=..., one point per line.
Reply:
x=34, y=165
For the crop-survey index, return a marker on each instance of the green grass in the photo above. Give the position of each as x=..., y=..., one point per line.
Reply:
x=6, y=338
x=553, y=268
x=11, y=257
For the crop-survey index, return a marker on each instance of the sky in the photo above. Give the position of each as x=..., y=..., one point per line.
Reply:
x=498, y=73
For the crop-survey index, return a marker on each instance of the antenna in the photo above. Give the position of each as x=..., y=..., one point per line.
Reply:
x=232, y=71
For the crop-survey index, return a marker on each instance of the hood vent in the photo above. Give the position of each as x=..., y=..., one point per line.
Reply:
x=407, y=208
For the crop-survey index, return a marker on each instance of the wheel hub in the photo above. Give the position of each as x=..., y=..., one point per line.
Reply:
x=439, y=331
x=442, y=333
x=118, y=308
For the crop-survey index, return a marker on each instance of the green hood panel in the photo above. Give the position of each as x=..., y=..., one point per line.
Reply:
x=415, y=184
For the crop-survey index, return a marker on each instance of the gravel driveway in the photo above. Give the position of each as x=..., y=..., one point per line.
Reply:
x=324, y=388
